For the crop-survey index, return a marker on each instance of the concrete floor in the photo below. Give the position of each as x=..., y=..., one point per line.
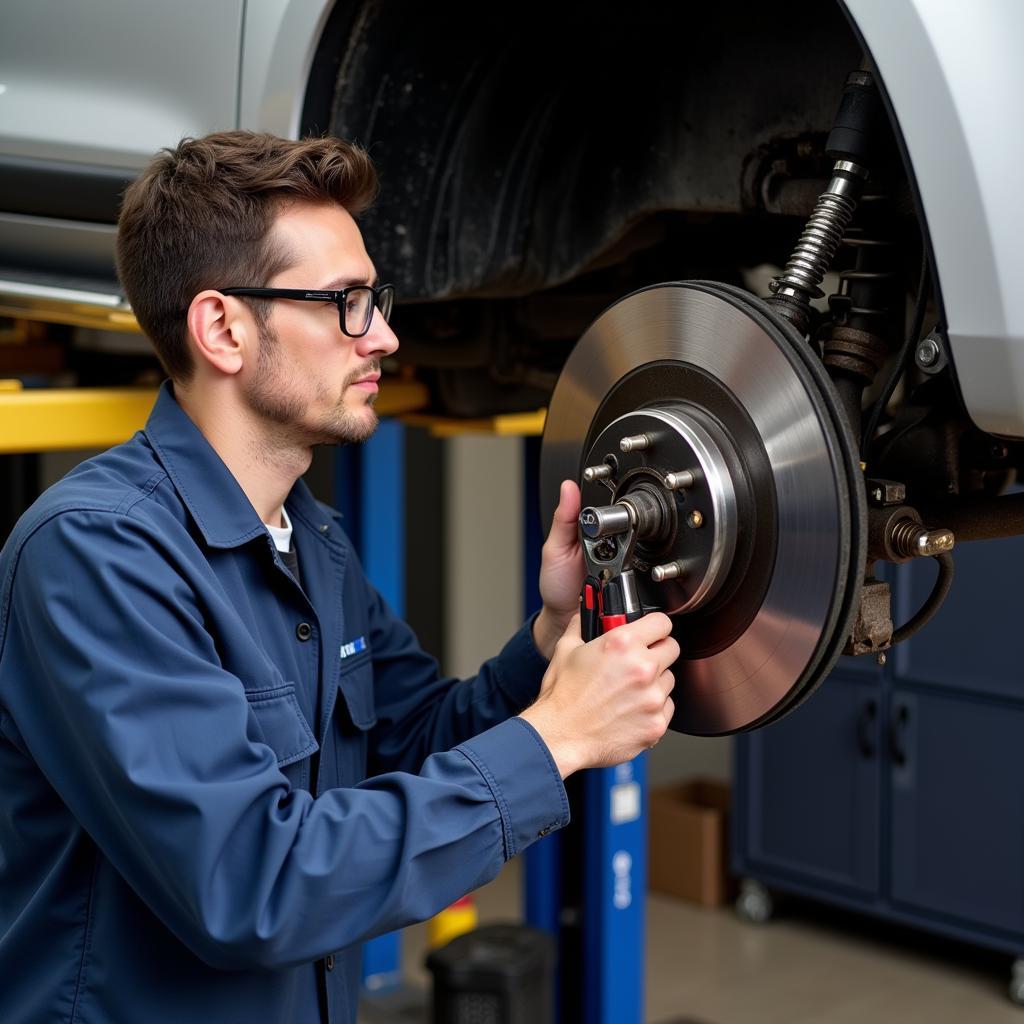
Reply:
x=809, y=965
x=812, y=966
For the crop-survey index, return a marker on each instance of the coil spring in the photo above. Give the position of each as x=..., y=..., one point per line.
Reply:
x=817, y=246
x=842, y=304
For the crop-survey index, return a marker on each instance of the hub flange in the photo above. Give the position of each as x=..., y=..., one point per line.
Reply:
x=681, y=439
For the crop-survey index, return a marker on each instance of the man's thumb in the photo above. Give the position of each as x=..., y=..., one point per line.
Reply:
x=564, y=522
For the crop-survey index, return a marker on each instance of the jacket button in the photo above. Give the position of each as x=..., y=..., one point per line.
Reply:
x=329, y=961
x=303, y=630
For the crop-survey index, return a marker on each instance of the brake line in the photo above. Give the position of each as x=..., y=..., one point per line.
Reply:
x=932, y=603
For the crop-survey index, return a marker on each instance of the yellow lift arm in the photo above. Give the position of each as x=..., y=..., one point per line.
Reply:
x=59, y=419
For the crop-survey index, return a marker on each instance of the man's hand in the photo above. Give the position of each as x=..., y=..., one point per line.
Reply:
x=603, y=702
x=561, y=571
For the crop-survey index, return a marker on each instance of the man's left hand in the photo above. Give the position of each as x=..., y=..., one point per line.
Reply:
x=562, y=569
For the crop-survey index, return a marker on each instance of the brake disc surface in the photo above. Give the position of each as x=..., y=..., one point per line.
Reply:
x=770, y=535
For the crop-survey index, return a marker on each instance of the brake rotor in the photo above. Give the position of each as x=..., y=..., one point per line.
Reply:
x=733, y=427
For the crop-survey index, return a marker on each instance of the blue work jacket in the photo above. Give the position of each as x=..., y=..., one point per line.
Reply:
x=214, y=782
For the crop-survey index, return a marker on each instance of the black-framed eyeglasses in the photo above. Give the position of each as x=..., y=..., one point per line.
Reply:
x=355, y=304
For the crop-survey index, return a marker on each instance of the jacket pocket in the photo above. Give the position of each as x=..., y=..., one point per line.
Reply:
x=355, y=680
x=284, y=727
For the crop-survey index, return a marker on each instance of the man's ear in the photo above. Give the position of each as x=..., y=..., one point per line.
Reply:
x=220, y=331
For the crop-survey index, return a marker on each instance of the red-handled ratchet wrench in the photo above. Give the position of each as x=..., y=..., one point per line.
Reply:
x=609, y=596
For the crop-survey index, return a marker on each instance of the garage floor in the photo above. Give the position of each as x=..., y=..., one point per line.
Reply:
x=808, y=966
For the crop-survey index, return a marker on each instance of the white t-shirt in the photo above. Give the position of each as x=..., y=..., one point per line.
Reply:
x=282, y=534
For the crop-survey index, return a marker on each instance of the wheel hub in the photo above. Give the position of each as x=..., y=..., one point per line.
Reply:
x=680, y=470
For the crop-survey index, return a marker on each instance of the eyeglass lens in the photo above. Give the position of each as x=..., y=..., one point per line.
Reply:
x=358, y=311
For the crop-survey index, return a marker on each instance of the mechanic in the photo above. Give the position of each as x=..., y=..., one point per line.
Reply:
x=224, y=763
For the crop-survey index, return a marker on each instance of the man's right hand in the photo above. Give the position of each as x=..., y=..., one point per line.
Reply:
x=603, y=702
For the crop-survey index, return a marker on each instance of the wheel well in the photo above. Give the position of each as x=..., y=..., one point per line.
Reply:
x=537, y=166
x=517, y=152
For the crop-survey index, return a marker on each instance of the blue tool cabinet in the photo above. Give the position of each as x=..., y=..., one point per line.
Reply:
x=899, y=790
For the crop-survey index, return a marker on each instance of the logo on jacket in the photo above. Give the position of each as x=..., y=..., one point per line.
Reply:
x=353, y=647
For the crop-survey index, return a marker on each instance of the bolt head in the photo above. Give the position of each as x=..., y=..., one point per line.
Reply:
x=887, y=492
x=927, y=352
x=695, y=520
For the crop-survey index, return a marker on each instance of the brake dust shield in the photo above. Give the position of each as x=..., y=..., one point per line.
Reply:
x=762, y=547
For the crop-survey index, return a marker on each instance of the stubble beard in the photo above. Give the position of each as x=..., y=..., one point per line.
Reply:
x=270, y=398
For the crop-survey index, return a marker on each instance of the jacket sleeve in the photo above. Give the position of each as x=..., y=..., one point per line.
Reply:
x=116, y=688
x=420, y=712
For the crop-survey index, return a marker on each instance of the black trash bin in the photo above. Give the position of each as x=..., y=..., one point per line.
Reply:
x=498, y=974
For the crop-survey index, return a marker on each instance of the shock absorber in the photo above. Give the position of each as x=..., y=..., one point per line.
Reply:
x=869, y=291
x=849, y=144
x=860, y=336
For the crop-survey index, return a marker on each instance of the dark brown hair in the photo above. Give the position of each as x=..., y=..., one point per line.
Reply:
x=199, y=216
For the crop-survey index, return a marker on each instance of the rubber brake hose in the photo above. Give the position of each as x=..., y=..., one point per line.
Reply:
x=933, y=602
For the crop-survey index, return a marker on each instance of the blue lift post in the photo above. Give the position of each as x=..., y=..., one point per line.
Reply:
x=615, y=890
x=370, y=493
x=614, y=851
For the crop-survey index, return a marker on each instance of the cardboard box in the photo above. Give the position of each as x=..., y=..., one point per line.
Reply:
x=689, y=841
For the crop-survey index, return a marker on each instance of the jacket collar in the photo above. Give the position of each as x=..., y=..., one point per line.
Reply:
x=215, y=500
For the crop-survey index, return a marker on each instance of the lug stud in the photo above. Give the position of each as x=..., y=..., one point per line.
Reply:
x=668, y=571
x=635, y=443
x=602, y=472
x=680, y=480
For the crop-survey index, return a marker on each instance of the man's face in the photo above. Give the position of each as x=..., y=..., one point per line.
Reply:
x=310, y=378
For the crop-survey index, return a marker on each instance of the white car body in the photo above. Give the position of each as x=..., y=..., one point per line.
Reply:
x=954, y=77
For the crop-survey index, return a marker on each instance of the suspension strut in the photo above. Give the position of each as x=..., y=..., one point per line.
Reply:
x=856, y=344
x=863, y=329
x=850, y=144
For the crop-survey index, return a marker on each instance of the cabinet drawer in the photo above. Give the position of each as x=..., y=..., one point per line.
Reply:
x=811, y=788
x=957, y=797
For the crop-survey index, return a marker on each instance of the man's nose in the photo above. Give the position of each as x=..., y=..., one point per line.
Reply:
x=379, y=340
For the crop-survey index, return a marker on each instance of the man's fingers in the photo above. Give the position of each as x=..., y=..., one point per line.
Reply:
x=667, y=652
x=666, y=682
x=668, y=710
x=651, y=628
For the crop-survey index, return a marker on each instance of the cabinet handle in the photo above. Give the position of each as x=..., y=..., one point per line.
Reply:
x=866, y=730
x=898, y=735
